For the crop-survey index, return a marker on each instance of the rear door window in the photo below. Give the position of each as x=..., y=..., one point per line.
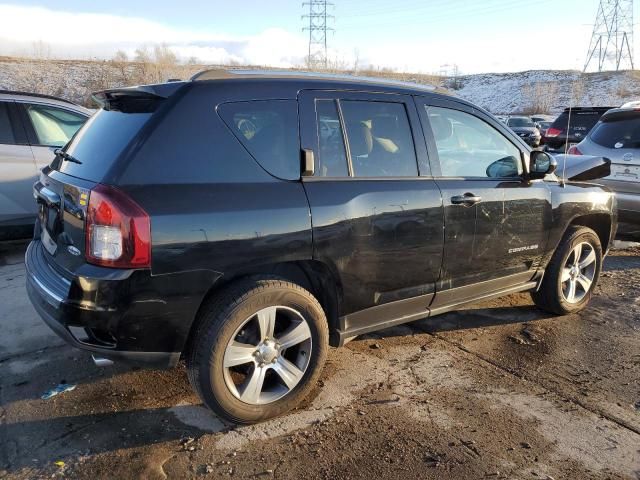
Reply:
x=332, y=158
x=379, y=138
x=53, y=126
x=6, y=130
x=618, y=134
x=268, y=129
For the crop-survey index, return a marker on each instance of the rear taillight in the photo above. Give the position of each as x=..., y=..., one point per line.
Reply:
x=117, y=230
x=574, y=151
x=553, y=132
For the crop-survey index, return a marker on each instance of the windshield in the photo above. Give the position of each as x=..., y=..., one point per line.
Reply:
x=99, y=143
x=520, y=122
x=623, y=133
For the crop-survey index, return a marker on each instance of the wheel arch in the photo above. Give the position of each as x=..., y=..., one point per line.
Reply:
x=315, y=276
x=600, y=223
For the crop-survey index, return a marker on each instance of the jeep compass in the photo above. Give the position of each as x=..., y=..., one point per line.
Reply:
x=246, y=221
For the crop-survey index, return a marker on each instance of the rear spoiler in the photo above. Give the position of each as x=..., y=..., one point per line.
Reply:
x=140, y=99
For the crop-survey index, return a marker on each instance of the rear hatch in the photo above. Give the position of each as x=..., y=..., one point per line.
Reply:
x=75, y=181
x=619, y=133
x=574, y=124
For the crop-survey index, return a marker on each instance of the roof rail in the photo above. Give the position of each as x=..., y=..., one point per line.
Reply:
x=219, y=73
x=38, y=95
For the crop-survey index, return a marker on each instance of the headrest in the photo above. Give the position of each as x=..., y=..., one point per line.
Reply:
x=384, y=126
x=360, y=140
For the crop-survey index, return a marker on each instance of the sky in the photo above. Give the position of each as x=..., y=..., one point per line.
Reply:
x=425, y=36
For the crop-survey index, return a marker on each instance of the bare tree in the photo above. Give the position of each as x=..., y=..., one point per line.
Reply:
x=539, y=97
x=122, y=67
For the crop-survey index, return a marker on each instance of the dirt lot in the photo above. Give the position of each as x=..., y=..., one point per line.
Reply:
x=499, y=390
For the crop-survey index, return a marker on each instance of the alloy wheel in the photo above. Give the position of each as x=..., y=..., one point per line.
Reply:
x=578, y=272
x=268, y=355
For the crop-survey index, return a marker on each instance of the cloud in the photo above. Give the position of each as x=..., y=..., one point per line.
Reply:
x=88, y=35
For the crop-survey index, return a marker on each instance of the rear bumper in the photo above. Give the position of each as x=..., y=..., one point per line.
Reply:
x=116, y=330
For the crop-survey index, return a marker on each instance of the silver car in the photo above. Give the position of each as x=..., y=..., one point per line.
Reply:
x=616, y=136
x=32, y=126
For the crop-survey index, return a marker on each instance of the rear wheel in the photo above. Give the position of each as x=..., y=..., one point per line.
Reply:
x=572, y=273
x=259, y=349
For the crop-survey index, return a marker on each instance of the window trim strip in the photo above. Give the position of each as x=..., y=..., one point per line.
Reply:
x=345, y=138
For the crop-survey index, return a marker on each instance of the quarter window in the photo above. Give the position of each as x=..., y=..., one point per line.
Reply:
x=380, y=140
x=268, y=129
x=470, y=147
x=54, y=126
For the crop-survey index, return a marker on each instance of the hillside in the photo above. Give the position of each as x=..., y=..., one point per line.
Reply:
x=542, y=91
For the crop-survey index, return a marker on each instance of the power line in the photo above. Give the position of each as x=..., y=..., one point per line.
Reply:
x=317, y=28
x=611, y=43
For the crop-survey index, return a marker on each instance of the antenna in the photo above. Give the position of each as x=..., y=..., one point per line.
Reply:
x=612, y=38
x=318, y=28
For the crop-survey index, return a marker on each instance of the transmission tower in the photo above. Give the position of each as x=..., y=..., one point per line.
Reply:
x=318, y=27
x=612, y=38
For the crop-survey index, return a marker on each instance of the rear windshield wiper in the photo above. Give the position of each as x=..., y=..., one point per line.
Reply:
x=66, y=156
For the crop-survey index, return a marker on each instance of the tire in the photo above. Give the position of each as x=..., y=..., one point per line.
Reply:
x=285, y=371
x=555, y=294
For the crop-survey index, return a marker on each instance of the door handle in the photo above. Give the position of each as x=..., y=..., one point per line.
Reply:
x=468, y=199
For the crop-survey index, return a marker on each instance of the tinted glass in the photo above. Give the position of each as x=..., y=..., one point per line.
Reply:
x=519, y=122
x=54, y=126
x=332, y=161
x=470, y=147
x=6, y=132
x=380, y=141
x=624, y=133
x=99, y=143
x=580, y=121
x=268, y=129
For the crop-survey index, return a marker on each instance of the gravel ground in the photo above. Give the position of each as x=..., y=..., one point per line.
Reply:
x=498, y=390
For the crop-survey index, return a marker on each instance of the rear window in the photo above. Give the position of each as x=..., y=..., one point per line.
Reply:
x=268, y=129
x=519, y=122
x=99, y=143
x=623, y=133
x=581, y=120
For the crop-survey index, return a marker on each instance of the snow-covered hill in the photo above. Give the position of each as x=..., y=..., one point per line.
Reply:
x=547, y=90
x=542, y=91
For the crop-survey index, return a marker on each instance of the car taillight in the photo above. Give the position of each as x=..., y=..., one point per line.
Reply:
x=117, y=230
x=574, y=151
x=553, y=132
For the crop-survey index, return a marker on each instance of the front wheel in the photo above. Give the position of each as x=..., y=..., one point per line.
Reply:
x=259, y=349
x=572, y=273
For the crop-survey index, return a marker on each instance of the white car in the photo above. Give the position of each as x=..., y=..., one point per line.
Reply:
x=32, y=126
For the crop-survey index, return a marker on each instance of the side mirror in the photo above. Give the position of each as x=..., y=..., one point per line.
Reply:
x=541, y=164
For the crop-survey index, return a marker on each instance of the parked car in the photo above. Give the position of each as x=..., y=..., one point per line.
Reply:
x=526, y=129
x=246, y=221
x=539, y=118
x=617, y=137
x=31, y=127
x=571, y=127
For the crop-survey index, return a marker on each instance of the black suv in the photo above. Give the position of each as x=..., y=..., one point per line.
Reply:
x=571, y=127
x=246, y=221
